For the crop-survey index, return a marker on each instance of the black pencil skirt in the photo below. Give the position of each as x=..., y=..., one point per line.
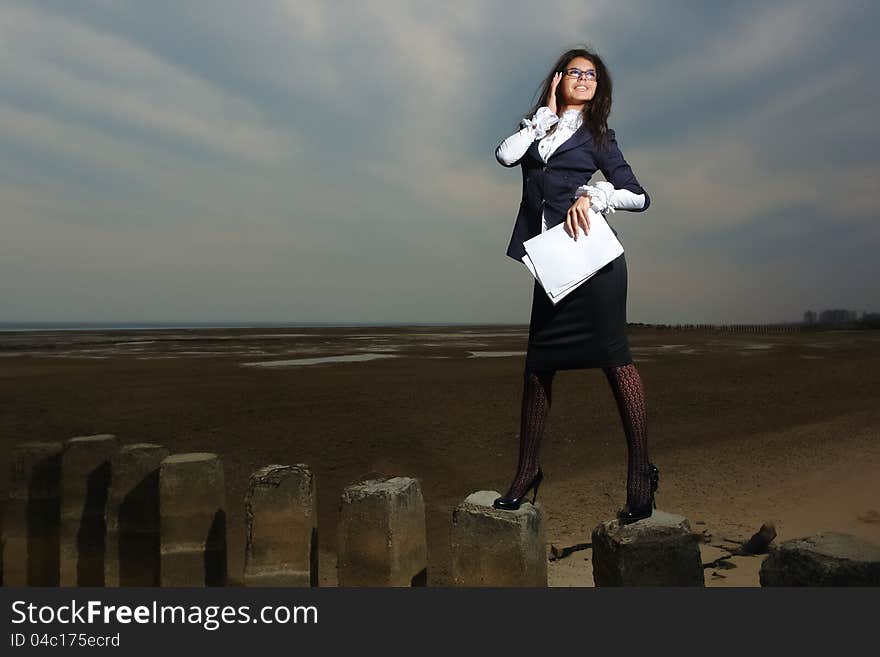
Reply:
x=586, y=329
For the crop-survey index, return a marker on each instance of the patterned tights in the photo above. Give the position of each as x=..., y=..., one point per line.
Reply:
x=537, y=394
x=626, y=384
x=630, y=395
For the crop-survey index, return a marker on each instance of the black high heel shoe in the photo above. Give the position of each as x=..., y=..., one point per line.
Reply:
x=627, y=515
x=513, y=503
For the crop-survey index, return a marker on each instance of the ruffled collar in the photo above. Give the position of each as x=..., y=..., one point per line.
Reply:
x=571, y=118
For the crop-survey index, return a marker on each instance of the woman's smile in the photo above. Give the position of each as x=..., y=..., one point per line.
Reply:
x=579, y=81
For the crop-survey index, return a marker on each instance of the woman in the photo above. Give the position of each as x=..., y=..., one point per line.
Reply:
x=559, y=149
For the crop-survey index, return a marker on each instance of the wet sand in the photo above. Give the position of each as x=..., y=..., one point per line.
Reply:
x=745, y=428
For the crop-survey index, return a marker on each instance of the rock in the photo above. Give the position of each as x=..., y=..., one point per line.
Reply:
x=132, y=516
x=557, y=553
x=281, y=524
x=382, y=534
x=658, y=551
x=192, y=518
x=85, y=483
x=826, y=559
x=497, y=547
x=759, y=541
x=32, y=516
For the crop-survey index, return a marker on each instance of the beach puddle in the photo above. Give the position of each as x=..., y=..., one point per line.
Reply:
x=381, y=347
x=348, y=358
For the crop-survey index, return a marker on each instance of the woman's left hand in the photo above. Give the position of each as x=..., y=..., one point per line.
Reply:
x=578, y=215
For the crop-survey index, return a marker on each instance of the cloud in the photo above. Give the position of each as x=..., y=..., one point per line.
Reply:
x=80, y=71
x=340, y=156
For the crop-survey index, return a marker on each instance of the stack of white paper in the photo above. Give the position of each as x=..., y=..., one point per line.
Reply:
x=560, y=263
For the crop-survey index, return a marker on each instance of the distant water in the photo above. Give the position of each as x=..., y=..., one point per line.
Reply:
x=107, y=326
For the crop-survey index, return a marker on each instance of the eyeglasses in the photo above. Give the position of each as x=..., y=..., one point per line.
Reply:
x=577, y=73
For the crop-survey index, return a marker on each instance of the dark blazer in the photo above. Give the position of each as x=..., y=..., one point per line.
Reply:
x=550, y=187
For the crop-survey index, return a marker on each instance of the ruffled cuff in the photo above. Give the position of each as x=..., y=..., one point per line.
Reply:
x=600, y=196
x=606, y=199
x=543, y=120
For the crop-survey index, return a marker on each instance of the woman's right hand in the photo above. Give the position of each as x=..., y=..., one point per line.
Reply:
x=550, y=101
x=578, y=215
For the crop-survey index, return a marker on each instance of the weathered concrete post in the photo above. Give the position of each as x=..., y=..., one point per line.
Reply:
x=382, y=535
x=32, y=516
x=85, y=478
x=132, y=557
x=658, y=551
x=493, y=547
x=281, y=515
x=826, y=559
x=192, y=519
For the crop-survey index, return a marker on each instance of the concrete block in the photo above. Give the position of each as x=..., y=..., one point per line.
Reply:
x=132, y=518
x=85, y=481
x=192, y=519
x=826, y=559
x=493, y=547
x=281, y=516
x=31, y=518
x=382, y=536
x=657, y=551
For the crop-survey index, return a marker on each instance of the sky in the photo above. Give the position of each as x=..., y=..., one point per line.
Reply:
x=315, y=161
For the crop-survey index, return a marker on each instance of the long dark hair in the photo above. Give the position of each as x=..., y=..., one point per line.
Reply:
x=595, y=112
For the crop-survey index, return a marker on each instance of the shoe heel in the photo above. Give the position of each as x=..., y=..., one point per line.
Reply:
x=655, y=481
x=538, y=479
x=513, y=503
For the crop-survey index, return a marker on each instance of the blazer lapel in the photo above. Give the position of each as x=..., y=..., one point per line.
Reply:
x=580, y=136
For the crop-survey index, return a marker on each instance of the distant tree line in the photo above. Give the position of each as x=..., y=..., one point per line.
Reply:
x=841, y=318
x=785, y=327
x=827, y=319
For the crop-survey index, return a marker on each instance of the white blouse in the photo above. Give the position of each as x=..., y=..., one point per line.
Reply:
x=603, y=197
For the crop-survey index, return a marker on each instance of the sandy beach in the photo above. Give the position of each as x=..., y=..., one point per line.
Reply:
x=746, y=428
